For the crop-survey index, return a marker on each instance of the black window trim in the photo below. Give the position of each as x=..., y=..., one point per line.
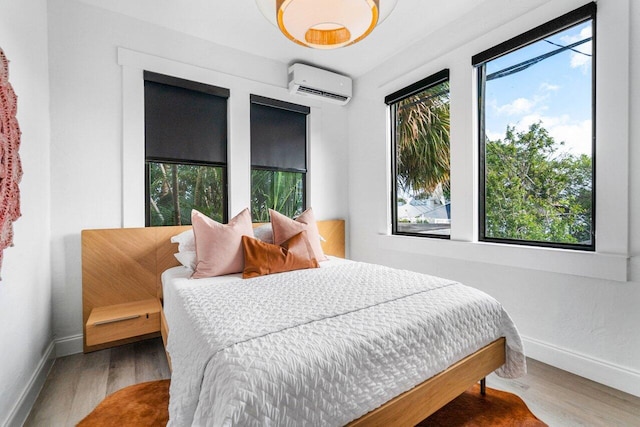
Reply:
x=418, y=86
x=582, y=14
x=391, y=100
x=570, y=19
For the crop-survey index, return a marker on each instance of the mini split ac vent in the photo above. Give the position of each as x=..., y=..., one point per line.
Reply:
x=318, y=83
x=311, y=91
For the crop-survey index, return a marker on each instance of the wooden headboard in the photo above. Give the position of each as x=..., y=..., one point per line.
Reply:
x=125, y=264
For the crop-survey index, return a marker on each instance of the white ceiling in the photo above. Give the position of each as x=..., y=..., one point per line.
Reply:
x=240, y=24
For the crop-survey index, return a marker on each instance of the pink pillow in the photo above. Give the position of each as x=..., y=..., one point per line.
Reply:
x=285, y=228
x=219, y=246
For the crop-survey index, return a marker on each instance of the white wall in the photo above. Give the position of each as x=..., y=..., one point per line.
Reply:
x=575, y=310
x=25, y=289
x=87, y=101
x=587, y=325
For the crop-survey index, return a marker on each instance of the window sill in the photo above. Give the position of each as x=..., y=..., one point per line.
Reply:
x=587, y=264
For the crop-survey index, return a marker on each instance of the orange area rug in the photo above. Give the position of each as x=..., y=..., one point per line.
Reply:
x=471, y=409
x=147, y=404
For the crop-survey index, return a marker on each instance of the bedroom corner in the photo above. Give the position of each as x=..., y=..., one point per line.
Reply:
x=25, y=289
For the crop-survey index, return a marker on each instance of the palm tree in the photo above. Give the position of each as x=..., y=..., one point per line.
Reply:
x=422, y=126
x=278, y=190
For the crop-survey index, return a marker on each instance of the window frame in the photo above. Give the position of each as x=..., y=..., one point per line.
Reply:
x=147, y=176
x=196, y=87
x=293, y=108
x=391, y=100
x=564, y=22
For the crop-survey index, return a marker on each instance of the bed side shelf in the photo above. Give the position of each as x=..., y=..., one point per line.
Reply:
x=120, y=321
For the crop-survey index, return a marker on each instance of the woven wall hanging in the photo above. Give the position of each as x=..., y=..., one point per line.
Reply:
x=10, y=167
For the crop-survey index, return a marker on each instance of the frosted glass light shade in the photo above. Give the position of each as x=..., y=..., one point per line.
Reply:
x=325, y=24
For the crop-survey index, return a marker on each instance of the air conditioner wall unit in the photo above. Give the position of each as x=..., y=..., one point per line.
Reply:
x=318, y=83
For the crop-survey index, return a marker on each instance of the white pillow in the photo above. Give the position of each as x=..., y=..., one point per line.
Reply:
x=264, y=233
x=187, y=258
x=185, y=240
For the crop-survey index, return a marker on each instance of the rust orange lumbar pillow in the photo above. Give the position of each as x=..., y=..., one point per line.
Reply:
x=262, y=258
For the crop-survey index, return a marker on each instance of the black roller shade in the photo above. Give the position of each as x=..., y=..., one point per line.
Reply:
x=278, y=135
x=417, y=87
x=184, y=121
x=586, y=12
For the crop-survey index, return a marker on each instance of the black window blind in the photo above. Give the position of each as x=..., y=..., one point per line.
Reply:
x=185, y=121
x=278, y=134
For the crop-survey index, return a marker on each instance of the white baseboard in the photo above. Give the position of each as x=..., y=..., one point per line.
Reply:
x=597, y=370
x=69, y=345
x=603, y=372
x=57, y=348
x=28, y=397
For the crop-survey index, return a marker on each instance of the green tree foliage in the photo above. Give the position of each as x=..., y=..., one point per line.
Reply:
x=422, y=126
x=280, y=191
x=534, y=192
x=175, y=189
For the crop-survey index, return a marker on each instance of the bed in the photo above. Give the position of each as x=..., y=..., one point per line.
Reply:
x=323, y=355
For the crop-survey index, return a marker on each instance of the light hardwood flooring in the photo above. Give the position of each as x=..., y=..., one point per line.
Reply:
x=78, y=383
x=560, y=398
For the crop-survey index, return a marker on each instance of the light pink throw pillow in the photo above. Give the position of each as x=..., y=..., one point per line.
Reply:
x=285, y=228
x=219, y=246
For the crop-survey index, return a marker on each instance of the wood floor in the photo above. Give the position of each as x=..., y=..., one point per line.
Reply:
x=562, y=399
x=78, y=383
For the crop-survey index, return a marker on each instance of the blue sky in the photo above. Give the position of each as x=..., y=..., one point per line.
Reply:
x=555, y=91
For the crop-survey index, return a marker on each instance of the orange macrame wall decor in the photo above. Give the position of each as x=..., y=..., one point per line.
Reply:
x=10, y=167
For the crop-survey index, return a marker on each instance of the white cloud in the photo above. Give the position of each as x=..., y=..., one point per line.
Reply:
x=494, y=136
x=524, y=123
x=575, y=135
x=518, y=106
x=548, y=87
x=579, y=60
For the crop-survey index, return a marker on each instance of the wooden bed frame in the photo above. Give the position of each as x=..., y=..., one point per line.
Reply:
x=120, y=265
x=125, y=264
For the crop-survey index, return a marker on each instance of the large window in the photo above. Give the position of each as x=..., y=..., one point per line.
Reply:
x=536, y=106
x=420, y=151
x=278, y=157
x=185, y=150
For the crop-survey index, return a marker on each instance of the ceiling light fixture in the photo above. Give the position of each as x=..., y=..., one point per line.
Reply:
x=326, y=24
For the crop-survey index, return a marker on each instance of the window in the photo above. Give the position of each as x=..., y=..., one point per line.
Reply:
x=278, y=157
x=420, y=158
x=536, y=130
x=185, y=150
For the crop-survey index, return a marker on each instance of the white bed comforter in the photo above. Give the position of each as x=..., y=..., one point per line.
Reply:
x=319, y=347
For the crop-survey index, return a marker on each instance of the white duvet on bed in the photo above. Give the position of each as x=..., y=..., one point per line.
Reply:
x=318, y=347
